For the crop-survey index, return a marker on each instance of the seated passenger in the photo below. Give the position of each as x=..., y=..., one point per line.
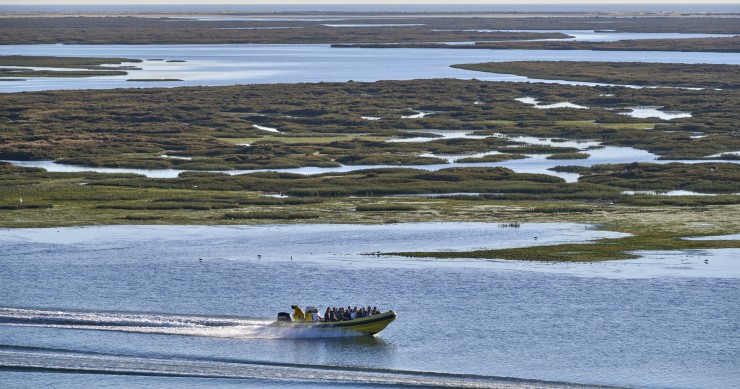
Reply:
x=327, y=314
x=315, y=316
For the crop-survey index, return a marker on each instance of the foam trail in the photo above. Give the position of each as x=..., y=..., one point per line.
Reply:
x=16, y=358
x=164, y=324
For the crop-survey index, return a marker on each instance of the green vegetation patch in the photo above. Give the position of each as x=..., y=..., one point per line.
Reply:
x=278, y=215
x=386, y=207
x=492, y=158
x=624, y=73
x=163, y=30
x=82, y=67
x=321, y=123
x=723, y=45
x=324, y=138
x=569, y=156
x=602, y=250
x=701, y=178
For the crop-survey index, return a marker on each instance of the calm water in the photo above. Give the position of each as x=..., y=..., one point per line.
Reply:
x=605, y=36
x=137, y=299
x=264, y=64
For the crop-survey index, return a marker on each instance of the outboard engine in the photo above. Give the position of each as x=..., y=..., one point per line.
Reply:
x=284, y=316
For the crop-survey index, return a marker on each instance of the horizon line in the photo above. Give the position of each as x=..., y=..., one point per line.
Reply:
x=381, y=2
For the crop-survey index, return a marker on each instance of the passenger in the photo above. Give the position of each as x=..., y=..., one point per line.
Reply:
x=369, y=311
x=340, y=314
x=316, y=316
x=327, y=314
x=308, y=316
x=376, y=311
x=363, y=312
x=353, y=314
x=298, y=313
x=347, y=315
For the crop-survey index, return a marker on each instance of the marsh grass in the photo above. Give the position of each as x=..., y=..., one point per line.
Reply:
x=93, y=29
x=602, y=250
x=628, y=73
x=129, y=128
x=386, y=208
x=277, y=215
x=569, y=156
x=93, y=67
x=24, y=206
x=492, y=158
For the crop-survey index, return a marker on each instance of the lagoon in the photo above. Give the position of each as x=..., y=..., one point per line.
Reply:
x=233, y=64
x=139, y=298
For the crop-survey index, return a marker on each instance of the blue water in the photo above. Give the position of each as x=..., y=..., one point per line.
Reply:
x=265, y=64
x=134, y=300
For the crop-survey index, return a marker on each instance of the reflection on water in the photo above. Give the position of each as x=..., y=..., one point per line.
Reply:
x=176, y=157
x=612, y=36
x=263, y=128
x=232, y=64
x=440, y=134
x=418, y=115
x=666, y=193
x=719, y=237
x=735, y=153
x=452, y=158
x=533, y=101
x=655, y=112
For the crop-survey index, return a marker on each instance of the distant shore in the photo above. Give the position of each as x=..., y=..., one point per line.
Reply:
x=341, y=27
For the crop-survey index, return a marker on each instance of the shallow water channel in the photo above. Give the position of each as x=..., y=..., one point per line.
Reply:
x=534, y=163
x=150, y=299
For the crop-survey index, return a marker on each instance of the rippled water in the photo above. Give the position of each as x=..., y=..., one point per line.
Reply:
x=137, y=300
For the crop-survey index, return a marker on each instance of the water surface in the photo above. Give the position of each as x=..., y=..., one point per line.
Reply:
x=139, y=298
x=233, y=64
x=534, y=163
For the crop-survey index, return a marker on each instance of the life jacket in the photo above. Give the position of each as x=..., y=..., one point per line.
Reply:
x=298, y=313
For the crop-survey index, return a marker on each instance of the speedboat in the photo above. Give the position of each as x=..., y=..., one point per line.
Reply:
x=367, y=325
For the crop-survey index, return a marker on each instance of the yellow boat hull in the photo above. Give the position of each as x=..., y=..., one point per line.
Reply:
x=369, y=325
